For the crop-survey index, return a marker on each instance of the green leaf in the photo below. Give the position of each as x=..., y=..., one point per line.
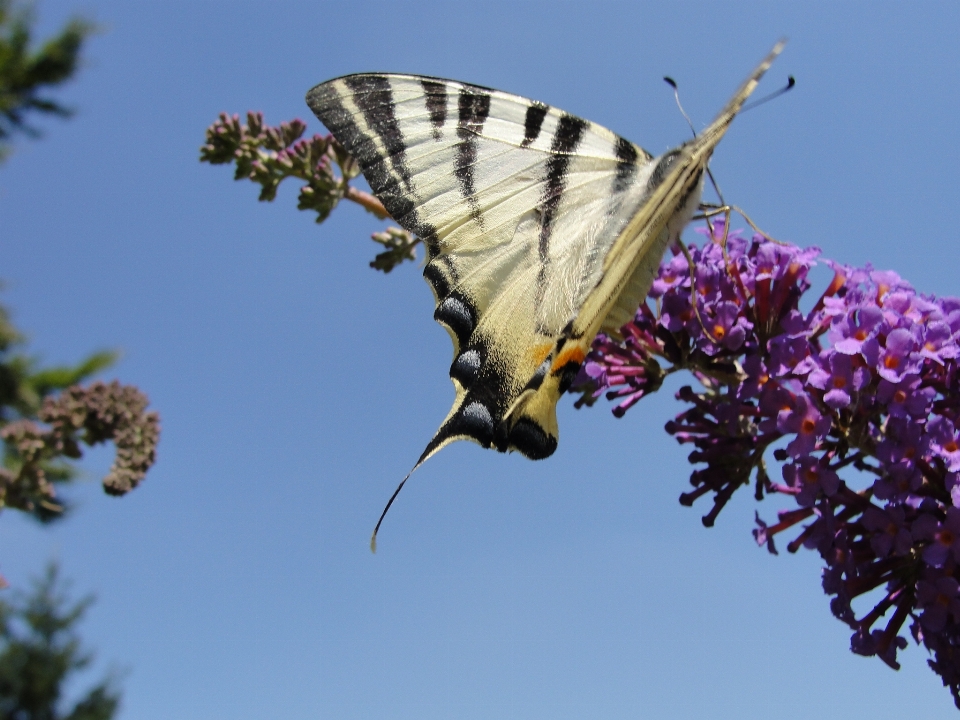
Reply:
x=49, y=380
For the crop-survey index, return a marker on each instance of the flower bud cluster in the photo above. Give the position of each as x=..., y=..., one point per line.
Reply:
x=269, y=155
x=90, y=415
x=857, y=400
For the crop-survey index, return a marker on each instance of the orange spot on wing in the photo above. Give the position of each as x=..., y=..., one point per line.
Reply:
x=573, y=355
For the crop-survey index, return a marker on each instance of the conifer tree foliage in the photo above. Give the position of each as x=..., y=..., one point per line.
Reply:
x=40, y=651
x=27, y=72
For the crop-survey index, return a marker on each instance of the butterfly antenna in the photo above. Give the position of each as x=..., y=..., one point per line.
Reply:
x=791, y=82
x=676, y=96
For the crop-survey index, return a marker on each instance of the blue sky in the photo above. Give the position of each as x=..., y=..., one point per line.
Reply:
x=297, y=386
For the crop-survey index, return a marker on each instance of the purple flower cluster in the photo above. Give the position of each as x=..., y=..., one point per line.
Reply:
x=866, y=380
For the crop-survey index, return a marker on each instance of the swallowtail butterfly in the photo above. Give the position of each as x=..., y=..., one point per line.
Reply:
x=541, y=229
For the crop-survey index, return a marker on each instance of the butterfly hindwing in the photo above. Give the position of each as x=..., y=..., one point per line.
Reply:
x=541, y=229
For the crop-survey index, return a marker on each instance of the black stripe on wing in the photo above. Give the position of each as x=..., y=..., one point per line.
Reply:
x=627, y=157
x=441, y=274
x=473, y=108
x=379, y=169
x=373, y=96
x=570, y=131
x=532, y=123
x=436, y=101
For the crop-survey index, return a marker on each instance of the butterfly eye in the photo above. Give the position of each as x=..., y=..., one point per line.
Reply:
x=662, y=168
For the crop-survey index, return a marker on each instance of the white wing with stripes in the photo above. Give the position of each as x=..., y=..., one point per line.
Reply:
x=541, y=229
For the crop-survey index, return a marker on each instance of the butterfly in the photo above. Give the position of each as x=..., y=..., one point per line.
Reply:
x=541, y=229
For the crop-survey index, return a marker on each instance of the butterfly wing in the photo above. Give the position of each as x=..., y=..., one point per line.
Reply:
x=517, y=203
x=541, y=229
x=671, y=195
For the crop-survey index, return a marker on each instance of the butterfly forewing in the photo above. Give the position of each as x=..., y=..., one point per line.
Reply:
x=541, y=229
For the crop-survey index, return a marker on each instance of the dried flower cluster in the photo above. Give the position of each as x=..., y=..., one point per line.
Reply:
x=268, y=155
x=91, y=415
x=866, y=380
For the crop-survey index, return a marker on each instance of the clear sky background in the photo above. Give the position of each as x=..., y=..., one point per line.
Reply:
x=297, y=386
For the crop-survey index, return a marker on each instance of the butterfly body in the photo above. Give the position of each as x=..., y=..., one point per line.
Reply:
x=541, y=228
